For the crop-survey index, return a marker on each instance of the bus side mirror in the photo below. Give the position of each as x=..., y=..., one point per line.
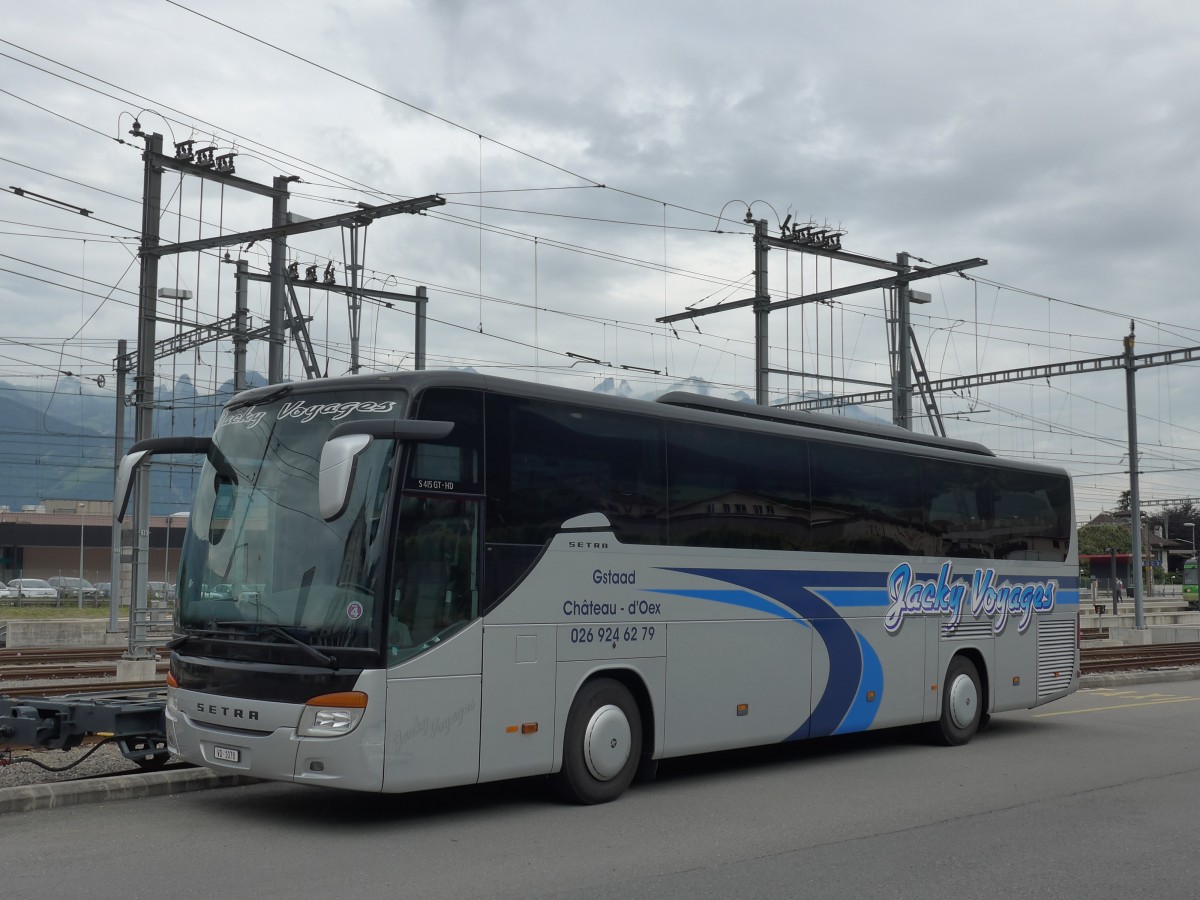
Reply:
x=348, y=439
x=337, y=473
x=140, y=453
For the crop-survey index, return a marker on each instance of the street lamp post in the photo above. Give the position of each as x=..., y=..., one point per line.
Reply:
x=167, y=554
x=79, y=587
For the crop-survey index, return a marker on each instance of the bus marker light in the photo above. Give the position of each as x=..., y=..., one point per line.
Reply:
x=933, y=687
x=347, y=699
x=529, y=728
x=870, y=696
x=171, y=682
x=743, y=709
x=1017, y=679
x=512, y=729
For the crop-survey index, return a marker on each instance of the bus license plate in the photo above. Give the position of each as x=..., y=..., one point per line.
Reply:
x=227, y=754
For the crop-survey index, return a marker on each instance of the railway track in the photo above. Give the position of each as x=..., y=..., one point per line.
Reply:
x=97, y=685
x=46, y=655
x=1140, y=657
x=52, y=672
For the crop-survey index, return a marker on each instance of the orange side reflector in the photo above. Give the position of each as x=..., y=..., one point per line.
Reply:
x=743, y=709
x=529, y=728
x=512, y=729
x=1016, y=680
x=870, y=696
x=933, y=687
x=171, y=682
x=345, y=699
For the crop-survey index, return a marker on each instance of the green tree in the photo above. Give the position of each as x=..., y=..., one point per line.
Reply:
x=1177, y=515
x=1100, y=538
x=1124, y=502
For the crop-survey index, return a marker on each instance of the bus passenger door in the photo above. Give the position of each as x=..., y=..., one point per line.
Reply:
x=434, y=645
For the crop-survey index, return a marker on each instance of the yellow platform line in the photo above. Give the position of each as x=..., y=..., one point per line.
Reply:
x=1075, y=712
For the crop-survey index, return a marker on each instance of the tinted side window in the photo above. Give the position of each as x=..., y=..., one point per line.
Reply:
x=737, y=489
x=993, y=513
x=1032, y=515
x=867, y=501
x=451, y=465
x=548, y=462
x=959, y=508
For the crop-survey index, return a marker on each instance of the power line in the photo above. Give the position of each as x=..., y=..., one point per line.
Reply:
x=59, y=115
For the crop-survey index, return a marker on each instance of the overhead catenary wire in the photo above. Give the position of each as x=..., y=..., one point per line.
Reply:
x=844, y=312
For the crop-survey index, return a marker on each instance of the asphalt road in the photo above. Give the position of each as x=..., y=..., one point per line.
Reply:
x=1096, y=796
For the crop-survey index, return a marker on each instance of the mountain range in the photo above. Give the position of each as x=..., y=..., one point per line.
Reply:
x=59, y=444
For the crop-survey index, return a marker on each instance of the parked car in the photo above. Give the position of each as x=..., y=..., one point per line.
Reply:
x=104, y=589
x=217, y=592
x=4, y=594
x=69, y=588
x=160, y=590
x=33, y=588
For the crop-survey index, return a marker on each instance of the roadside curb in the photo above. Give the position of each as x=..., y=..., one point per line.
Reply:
x=1125, y=679
x=27, y=798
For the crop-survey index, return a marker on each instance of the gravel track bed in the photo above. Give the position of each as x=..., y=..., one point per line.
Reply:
x=103, y=762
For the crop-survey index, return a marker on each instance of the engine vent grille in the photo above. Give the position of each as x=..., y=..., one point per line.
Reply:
x=1057, y=657
x=968, y=630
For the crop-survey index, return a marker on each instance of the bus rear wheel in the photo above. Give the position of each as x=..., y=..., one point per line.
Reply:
x=602, y=744
x=962, y=704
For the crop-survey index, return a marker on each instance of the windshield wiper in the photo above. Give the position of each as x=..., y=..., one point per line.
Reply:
x=265, y=398
x=193, y=634
x=323, y=658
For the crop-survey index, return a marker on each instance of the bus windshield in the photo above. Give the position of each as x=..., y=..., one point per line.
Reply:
x=258, y=556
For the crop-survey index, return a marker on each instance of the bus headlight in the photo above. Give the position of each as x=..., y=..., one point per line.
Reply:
x=332, y=715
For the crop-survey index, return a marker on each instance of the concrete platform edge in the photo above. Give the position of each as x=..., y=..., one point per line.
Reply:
x=27, y=798
x=1125, y=679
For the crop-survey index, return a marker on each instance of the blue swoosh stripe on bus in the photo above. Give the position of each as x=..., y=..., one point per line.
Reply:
x=841, y=642
x=744, y=599
x=855, y=597
x=862, y=712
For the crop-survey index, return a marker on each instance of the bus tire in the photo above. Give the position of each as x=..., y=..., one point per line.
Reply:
x=602, y=745
x=962, y=704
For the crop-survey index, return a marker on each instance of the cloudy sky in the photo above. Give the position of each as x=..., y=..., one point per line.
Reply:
x=598, y=162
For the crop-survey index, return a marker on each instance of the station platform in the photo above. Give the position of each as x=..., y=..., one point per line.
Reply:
x=1167, y=619
x=50, y=633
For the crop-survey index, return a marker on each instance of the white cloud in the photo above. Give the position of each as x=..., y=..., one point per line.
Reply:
x=1055, y=140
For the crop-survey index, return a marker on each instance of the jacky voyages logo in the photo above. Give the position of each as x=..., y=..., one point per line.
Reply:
x=982, y=594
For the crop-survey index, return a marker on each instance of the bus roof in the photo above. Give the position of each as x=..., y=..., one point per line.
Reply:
x=841, y=424
x=678, y=400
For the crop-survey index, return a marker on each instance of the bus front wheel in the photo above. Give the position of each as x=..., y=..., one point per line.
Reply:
x=962, y=704
x=602, y=744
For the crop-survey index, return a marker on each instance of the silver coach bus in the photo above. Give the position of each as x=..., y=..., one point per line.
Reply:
x=416, y=580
